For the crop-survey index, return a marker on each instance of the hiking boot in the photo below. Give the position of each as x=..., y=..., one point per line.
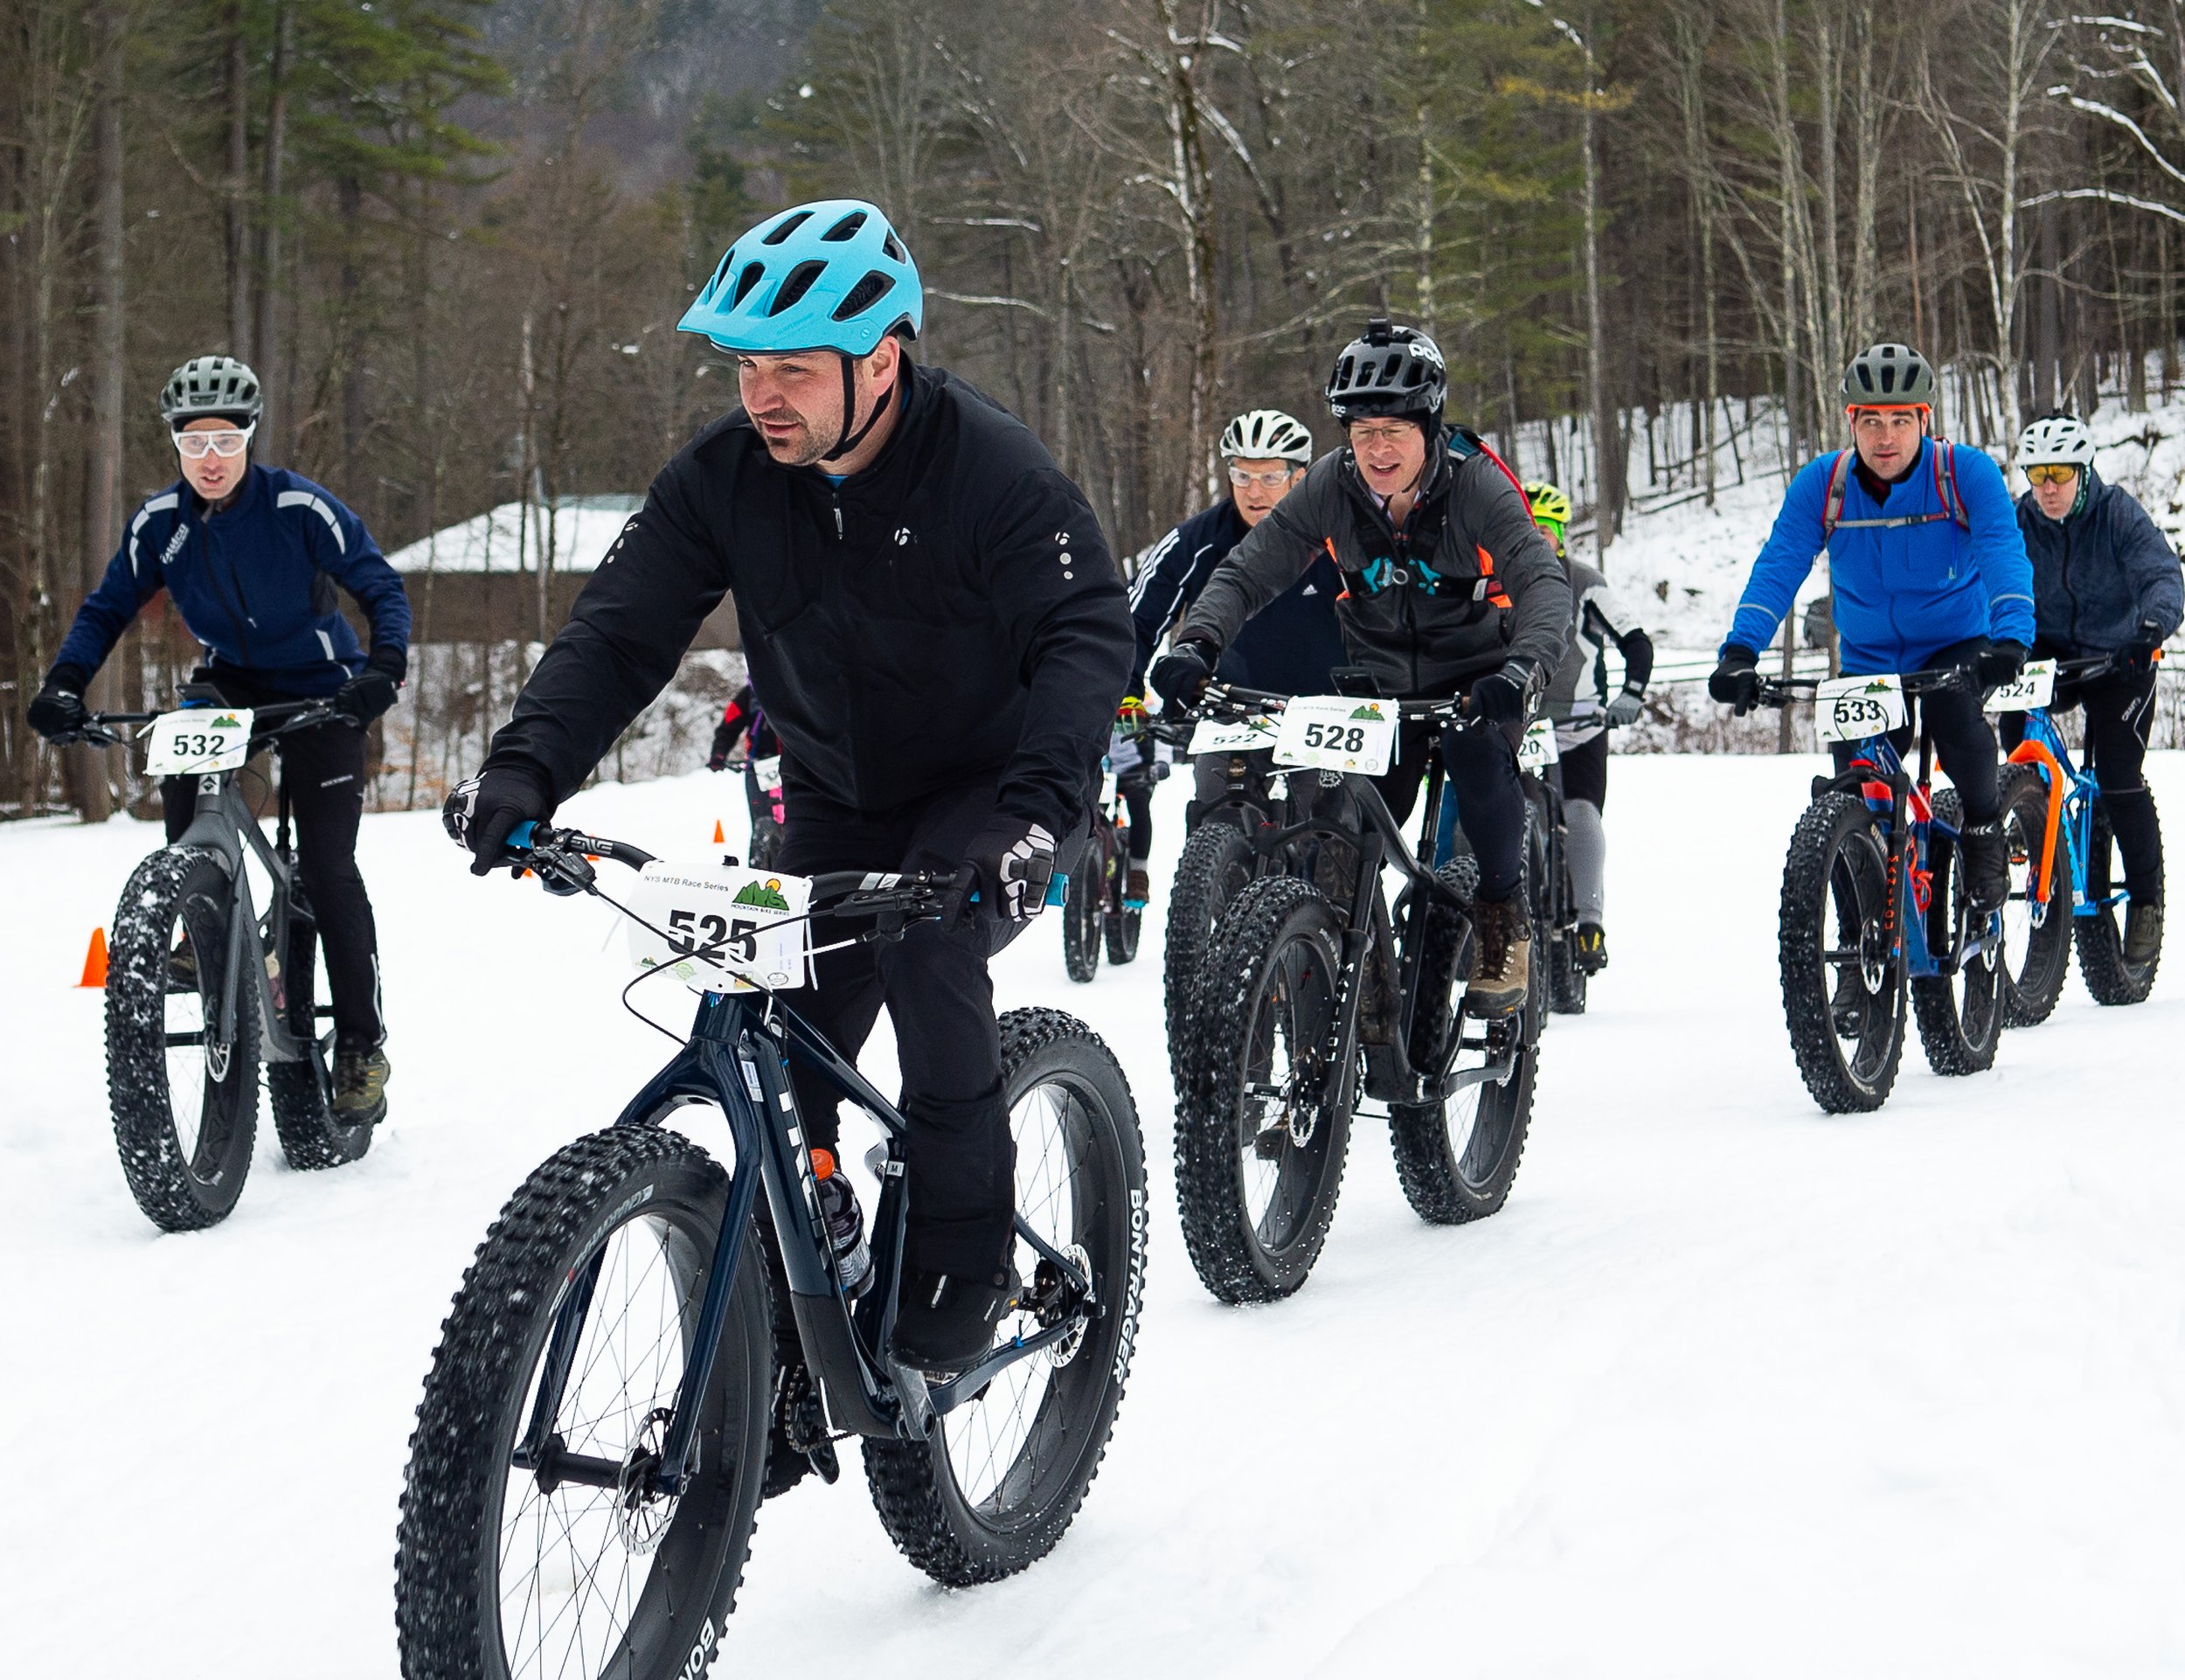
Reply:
x=1136, y=888
x=2143, y=935
x=360, y=1086
x=944, y=1323
x=1986, y=865
x=1592, y=948
x=1502, y=959
x=1846, y=1009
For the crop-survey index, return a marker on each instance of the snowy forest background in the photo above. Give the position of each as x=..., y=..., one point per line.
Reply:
x=454, y=236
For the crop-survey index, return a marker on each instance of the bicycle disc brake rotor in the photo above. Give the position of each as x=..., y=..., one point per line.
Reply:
x=1063, y=1301
x=641, y=1515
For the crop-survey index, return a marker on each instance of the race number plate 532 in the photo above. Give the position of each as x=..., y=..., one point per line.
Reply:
x=720, y=927
x=2034, y=688
x=1335, y=732
x=197, y=742
x=1854, y=708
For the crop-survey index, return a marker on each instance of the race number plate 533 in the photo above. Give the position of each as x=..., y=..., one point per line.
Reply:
x=1854, y=708
x=1335, y=732
x=720, y=927
x=197, y=742
x=2034, y=688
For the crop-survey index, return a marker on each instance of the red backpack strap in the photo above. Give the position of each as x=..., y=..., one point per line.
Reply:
x=1832, y=498
x=1947, y=483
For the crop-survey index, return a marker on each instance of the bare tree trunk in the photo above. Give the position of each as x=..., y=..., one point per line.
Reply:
x=236, y=187
x=1608, y=489
x=102, y=490
x=266, y=337
x=351, y=199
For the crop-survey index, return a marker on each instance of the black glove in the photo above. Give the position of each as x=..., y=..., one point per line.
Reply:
x=1505, y=695
x=1736, y=683
x=1181, y=674
x=1008, y=863
x=483, y=812
x=57, y=712
x=2141, y=653
x=724, y=743
x=372, y=690
x=1999, y=662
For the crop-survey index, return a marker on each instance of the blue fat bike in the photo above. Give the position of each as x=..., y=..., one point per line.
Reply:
x=2073, y=862
x=646, y=1344
x=1875, y=908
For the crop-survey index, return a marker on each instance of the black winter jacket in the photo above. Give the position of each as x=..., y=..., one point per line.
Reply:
x=1500, y=589
x=2099, y=571
x=947, y=616
x=1290, y=645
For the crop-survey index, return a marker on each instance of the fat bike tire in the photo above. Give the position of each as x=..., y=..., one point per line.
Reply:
x=1217, y=864
x=1261, y=1136
x=1960, y=1015
x=2109, y=979
x=2037, y=953
x=765, y=842
x=503, y=1574
x=1836, y=883
x=1457, y=1159
x=185, y=1118
x=301, y=1093
x=1082, y=916
x=994, y=1487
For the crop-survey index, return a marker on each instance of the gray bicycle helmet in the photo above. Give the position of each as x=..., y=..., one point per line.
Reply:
x=1267, y=434
x=1888, y=376
x=1392, y=371
x=210, y=388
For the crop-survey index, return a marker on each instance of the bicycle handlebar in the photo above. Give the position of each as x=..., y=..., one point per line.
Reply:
x=1786, y=690
x=286, y=715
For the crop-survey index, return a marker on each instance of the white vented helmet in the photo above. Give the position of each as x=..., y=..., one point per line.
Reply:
x=2057, y=439
x=1267, y=434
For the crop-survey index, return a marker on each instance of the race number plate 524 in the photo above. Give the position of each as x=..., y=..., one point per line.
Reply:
x=1335, y=732
x=1854, y=708
x=2034, y=688
x=197, y=742
x=720, y=927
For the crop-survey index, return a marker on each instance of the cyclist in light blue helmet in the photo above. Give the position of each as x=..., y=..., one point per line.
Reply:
x=929, y=608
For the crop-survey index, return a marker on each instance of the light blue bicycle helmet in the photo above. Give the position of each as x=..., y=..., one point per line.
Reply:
x=830, y=276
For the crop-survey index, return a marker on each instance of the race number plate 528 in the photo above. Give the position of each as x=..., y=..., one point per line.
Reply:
x=1854, y=708
x=1335, y=732
x=720, y=927
x=197, y=742
x=2034, y=688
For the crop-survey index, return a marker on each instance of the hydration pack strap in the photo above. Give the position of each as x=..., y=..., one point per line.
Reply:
x=1945, y=475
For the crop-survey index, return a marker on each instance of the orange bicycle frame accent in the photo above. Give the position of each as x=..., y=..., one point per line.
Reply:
x=2032, y=751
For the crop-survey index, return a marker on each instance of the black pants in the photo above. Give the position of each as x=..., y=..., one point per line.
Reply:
x=1963, y=740
x=324, y=771
x=1586, y=772
x=2120, y=712
x=940, y=1000
x=1482, y=765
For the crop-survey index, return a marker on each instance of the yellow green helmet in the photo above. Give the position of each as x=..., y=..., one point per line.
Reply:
x=1549, y=504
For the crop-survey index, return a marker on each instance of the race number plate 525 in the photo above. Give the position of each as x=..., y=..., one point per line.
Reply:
x=197, y=742
x=2034, y=688
x=1335, y=732
x=720, y=927
x=1854, y=708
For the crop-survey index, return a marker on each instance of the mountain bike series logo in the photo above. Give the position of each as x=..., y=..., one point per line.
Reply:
x=1370, y=711
x=226, y=720
x=762, y=895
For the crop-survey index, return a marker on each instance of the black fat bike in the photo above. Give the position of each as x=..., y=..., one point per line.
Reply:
x=1318, y=992
x=1099, y=911
x=203, y=985
x=646, y=1344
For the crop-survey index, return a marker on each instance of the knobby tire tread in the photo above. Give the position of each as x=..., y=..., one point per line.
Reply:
x=1803, y=930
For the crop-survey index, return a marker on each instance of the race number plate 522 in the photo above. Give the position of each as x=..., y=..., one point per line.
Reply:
x=1854, y=708
x=197, y=742
x=721, y=927
x=1335, y=732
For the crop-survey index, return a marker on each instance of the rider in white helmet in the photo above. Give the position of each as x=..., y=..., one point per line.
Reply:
x=2104, y=581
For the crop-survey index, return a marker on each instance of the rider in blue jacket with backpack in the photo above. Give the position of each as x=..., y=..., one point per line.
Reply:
x=1928, y=569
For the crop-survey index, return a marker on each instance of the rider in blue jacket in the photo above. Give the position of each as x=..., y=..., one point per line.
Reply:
x=252, y=557
x=2104, y=581
x=1928, y=571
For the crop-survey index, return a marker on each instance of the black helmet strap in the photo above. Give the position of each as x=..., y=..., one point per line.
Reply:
x=850, y=440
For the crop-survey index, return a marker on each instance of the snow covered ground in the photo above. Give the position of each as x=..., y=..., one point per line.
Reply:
x=1731, y=1388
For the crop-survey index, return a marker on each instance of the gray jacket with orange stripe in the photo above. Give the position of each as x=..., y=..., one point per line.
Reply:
x=1468, y=584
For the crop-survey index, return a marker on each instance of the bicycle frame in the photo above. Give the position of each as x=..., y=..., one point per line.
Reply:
x=1904, y=808
x=2072, y=795
x=737, y=1058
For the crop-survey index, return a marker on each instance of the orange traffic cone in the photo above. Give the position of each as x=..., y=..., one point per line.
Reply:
x=95, y=960
x=719, y=838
